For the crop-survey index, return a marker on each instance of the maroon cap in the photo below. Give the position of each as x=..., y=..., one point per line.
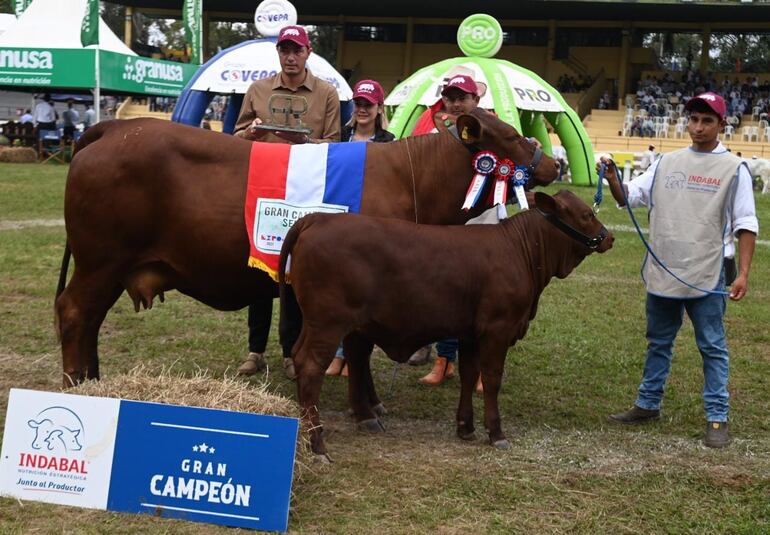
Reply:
x=712, y=100
x=369, y=90
x=295, y=34
x=463, y=83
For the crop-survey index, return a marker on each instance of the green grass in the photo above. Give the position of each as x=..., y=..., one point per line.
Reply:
x=569, y=470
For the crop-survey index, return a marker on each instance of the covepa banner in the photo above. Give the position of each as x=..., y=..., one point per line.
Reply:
x=54, y=67
x=136, y=74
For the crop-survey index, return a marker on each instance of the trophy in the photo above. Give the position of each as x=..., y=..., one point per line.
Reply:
x=286, y=113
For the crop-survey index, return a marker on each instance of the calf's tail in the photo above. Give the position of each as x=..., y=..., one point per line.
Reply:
x=290, y=323
x=65, y=264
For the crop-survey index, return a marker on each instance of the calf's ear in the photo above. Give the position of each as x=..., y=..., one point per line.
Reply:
x=545, y=202
x=469, y=129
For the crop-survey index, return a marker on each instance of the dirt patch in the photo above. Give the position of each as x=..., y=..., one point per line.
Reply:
x=30, y=223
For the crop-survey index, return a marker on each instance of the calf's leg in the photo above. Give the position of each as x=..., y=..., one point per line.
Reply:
x=491, y=358
x=361, y=392
x=313, y=353
x=469, y=372
x=80, y=311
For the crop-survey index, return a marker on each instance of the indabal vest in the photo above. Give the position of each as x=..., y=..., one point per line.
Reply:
x=689, y=194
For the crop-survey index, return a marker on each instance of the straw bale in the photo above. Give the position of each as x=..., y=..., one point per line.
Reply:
x=17, y=155
x=200, y=390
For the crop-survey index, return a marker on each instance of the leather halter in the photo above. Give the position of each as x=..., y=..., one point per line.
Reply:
x=473, y=149
x=591, y=243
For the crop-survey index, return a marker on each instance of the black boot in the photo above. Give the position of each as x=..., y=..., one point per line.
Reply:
x=635, y=415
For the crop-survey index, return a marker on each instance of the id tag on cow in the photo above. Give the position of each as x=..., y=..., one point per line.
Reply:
x=521, y=197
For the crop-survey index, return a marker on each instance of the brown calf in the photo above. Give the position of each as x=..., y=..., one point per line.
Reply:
x=400, y=285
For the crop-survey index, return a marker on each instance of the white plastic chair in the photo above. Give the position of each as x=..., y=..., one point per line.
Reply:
x=755, y=112
x=766, y=134
x=746, y=133
x=729, y=131
x=682, y=128
x=661, y=130
x=754, y=133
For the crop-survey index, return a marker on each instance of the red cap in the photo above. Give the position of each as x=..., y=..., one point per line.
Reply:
x=463, y=83
x=295, y=34
x=369, y=90
x=712, y=100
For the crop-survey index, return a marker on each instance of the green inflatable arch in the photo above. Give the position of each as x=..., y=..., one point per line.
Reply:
x=517, y=95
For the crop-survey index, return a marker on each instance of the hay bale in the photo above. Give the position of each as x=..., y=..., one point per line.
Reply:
x=201, y=390
x=18, y=155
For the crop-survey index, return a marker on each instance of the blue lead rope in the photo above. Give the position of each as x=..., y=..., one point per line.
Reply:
x=599, y=196
x=639, y=231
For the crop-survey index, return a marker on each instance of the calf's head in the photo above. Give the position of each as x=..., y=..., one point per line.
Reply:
x=573, y=217
x=485, y=131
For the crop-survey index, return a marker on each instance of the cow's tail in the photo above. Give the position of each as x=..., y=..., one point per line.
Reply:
x=65, y=264
x=290, y=322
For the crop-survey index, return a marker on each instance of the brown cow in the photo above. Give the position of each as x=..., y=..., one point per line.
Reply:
x=152, y=206
x=401, y=285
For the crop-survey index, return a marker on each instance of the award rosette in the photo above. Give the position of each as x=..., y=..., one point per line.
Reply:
x=484, y=164
x=520, y=180
x=503, y=174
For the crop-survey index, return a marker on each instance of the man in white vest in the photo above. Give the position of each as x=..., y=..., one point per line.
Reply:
x=699, y=199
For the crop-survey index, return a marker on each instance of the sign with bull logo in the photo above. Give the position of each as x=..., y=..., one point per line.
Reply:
x=215, y=466
x=58, y=448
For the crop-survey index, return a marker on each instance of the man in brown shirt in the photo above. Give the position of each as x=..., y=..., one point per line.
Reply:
x=323, y=117
x=323, y=105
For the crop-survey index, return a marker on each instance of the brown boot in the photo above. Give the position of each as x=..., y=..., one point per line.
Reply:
x=335, y=368
x=439, y=373
x=253, y=364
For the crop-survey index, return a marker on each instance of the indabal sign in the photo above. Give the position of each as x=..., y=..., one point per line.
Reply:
x=199, y=464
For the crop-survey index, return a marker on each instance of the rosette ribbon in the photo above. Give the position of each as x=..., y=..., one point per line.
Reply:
x=503, y=174
x=519, y=180
x=484, y=164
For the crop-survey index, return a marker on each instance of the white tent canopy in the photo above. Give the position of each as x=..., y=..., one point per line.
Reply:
x=6, y=20
x=56, y=24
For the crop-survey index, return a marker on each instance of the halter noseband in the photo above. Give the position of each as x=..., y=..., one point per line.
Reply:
x=591, y=243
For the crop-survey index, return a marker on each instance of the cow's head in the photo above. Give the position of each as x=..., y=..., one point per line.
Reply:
x=485, y=131
x=567, y=212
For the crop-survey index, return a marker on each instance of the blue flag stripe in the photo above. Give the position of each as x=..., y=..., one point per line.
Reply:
x=345, y=174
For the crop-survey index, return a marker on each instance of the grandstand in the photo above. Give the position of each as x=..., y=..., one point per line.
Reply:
x=655, y=113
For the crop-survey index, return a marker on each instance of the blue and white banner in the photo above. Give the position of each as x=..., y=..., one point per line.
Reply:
x=203, y=465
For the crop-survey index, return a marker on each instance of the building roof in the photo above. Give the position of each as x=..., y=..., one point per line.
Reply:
x=589, y=10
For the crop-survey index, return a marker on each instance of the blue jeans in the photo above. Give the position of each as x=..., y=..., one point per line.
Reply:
x=448, y=349
x=664, y=318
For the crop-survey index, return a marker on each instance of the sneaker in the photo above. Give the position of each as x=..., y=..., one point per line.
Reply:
x=254, y=363
x=717, y=435
x=421, y=356
x=635, y=415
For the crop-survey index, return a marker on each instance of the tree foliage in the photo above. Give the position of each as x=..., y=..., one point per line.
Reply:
x=729, y=52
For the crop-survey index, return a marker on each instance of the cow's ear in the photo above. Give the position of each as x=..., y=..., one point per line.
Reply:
x=469, y=129
x=545, y=202
x=33, y=424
